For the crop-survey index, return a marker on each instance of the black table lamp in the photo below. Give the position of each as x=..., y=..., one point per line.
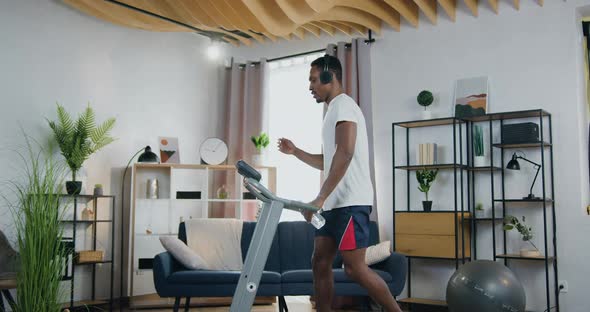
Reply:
x=148, y=156
x=514, y=165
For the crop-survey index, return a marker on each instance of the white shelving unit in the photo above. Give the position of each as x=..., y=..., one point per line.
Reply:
x=152, y=218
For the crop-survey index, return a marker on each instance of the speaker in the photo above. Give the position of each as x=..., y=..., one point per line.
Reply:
x=526, y=132
x=326, y=75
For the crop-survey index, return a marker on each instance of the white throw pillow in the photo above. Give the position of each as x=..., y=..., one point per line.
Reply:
x=377, y=253
x=181, y=252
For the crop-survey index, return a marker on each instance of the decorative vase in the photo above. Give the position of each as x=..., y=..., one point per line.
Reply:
x=87, y=214
x=427, y=205
x=73, y=187
x=258, y=160
x=222, y=192
x=480, y=161
x=426, y=114
x=152, y=189
x=98, y=191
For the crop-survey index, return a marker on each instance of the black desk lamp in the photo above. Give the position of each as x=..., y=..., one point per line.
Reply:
x=514, y=165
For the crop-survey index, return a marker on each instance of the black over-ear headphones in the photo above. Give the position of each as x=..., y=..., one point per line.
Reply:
x=326, y=75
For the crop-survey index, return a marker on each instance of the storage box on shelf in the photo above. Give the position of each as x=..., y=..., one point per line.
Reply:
x=183, y=192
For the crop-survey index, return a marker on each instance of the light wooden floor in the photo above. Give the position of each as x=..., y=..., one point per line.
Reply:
x=295, y=304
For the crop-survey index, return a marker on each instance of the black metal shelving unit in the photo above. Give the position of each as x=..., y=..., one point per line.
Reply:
x=458, y=167
x=545, y=145
x=71, y=244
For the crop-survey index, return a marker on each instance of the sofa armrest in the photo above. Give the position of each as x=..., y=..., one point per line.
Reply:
x=396, y=265
x=164, y=266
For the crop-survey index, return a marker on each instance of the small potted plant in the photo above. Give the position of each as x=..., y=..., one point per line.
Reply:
x=511, y=222
x=425, y=179
x=79, y=139
x=478, y=147
x=425, y=98
x=479, y=211
x=98, y=190
x=260, y=142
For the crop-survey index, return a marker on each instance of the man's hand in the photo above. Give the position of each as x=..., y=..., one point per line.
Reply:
x=286, y=146
x=318, y=202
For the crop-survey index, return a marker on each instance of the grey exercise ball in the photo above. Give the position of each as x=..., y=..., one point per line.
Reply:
x=485, y=286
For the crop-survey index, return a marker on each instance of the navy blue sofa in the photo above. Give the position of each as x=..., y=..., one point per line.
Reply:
x=287, y=271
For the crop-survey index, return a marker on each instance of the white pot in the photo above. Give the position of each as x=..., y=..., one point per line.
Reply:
x=426, y=114
x=480, y=161
x=258, y=160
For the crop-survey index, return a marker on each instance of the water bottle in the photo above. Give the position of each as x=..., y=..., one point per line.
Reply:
x=317, y=220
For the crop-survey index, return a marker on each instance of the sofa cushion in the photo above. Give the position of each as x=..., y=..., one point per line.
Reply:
x=273, y=263
x=181, y=252
x=218, y=277
x=306, y=276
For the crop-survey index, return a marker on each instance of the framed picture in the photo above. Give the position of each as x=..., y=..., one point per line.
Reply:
x=169, y=150
x=471, y=97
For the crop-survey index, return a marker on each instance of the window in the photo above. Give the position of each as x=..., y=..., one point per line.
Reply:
x=294, y=114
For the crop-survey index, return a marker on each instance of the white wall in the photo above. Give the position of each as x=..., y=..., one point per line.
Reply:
x=154, y=84
x=533, y=59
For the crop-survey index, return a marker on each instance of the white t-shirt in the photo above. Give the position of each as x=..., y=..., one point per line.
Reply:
x=356, y=187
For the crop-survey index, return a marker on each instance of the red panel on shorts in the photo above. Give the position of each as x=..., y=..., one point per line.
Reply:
x=348, y=241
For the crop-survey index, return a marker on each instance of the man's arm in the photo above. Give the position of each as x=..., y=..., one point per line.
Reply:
x=314, y=160
x=345, y=143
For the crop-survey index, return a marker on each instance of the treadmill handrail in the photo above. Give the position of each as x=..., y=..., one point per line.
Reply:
x=262, y=193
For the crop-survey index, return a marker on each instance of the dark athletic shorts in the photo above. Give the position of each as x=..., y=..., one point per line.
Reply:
x=348, y=226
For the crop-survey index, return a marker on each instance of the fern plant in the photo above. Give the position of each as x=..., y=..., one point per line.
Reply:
x=80, y=138
x=260, y=141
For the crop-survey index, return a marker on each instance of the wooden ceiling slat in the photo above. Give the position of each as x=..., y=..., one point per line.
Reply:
x=341, y=27
x=377, y=8
x=326, y=28
x=312, y=29
x=450, y=7
x=407, y=8
x=428, y=7
x=472, y=5
x=362, y=30
x=352, y=15
x=298, y=11
x=494, y=5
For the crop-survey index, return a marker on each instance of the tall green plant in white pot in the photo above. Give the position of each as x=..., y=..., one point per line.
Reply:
x=79, y=139
x=37, y=214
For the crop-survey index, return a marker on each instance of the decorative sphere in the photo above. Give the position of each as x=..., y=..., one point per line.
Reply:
x=485, y=286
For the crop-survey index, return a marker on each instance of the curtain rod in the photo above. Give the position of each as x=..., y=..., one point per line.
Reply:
x=347, y=45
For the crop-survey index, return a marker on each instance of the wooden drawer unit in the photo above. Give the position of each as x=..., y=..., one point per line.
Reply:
x=431, y=234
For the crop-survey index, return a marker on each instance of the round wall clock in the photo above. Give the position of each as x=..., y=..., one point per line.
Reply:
x=213, y=151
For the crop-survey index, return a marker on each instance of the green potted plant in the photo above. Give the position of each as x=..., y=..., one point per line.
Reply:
x=260, y=142
x=37, y=210
x=479, y=211
x=425, y=99
x=478, y=146
x=511, y=222
x=79, y=139
x=425, y=179
x=98, y=190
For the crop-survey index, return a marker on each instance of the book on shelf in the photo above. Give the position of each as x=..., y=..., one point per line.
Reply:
x=427, y=154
